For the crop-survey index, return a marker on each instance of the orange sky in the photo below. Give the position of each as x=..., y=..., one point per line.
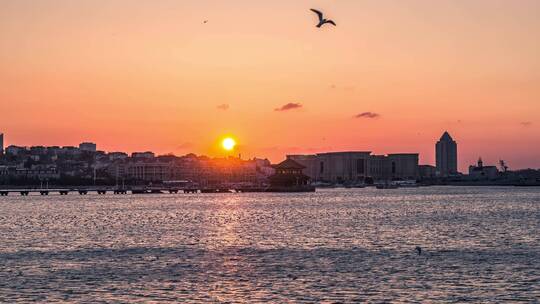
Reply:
x=150, y=75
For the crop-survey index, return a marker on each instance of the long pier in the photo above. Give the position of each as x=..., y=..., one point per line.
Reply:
x=124, y=191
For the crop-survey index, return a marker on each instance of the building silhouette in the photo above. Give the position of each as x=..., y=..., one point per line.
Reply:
x=356, y=166
x=446, y=156
x=289, y=177
x=483, y=172
x=88, y=147
x=427, y=171
x=1, y=143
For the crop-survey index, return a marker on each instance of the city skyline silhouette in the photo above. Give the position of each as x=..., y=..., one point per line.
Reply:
x=390, y=78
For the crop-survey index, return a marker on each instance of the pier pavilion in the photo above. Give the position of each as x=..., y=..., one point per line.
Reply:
x=290, y=178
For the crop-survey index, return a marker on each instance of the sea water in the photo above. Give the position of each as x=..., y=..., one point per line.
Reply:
x=479, y=244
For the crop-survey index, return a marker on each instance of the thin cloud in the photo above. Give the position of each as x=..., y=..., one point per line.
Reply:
x=367, y=115
x=526, y=124
x=184, y=146
x=223, y=107
x=289, y=106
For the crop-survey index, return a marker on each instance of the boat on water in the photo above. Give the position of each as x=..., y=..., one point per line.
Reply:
x=387, y=186
x=300, y=188
x=323, y=185
x=407, y=184
x=352, y=186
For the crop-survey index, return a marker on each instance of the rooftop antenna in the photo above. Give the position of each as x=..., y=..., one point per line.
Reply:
x=504, y=167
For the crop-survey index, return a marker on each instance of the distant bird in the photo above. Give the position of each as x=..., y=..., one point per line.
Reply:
x=322, y=21
x=418, y=250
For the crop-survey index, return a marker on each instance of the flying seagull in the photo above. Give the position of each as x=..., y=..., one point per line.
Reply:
x=322, y=21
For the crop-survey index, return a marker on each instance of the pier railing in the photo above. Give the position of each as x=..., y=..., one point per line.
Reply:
x=127, y=190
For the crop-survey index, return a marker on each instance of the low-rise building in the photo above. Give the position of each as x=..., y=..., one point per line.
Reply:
x=145, y=155
x=427, y=171
x=37, y=172
x=357, y=166
x=379, y=168
x=15, y=150
x=149, y=171
x=404, y=165
x=88, y=147
x=117, y=156
x=70, y=151
x=38, y=150
x=483, y=172
x=4, y=171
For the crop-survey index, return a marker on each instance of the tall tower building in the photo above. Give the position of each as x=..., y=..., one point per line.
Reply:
x=446, y=154
x=1, y=143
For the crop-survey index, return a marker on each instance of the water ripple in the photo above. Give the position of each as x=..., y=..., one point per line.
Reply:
x=333, y=246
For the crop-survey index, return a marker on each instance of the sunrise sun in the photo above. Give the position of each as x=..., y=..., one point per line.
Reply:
x=228, y=143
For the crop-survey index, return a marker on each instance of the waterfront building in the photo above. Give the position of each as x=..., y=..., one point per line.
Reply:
x=427, y=171
x=404, y=165
x=263, y=167
x=150, y=172
x=88, y=147
x=73, y=164
x=335, y=167
x=483, y=172
x=4, y=171
x=311, y=163
x=357, y=166
x=379, y=168
x=340, y=167
x=446, y=156
x=200, y=170
x=37, y=172
x=289, y=178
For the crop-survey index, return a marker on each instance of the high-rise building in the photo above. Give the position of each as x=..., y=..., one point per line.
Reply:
x=1, y=143
x=446, y=156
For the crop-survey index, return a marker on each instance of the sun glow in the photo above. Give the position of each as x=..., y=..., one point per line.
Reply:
x=228, y=144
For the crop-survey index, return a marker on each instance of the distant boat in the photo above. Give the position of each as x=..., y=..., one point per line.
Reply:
x=323, y=185
x=407, y=184
x=387, y=186
x=355, y=185
x=299, y=188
